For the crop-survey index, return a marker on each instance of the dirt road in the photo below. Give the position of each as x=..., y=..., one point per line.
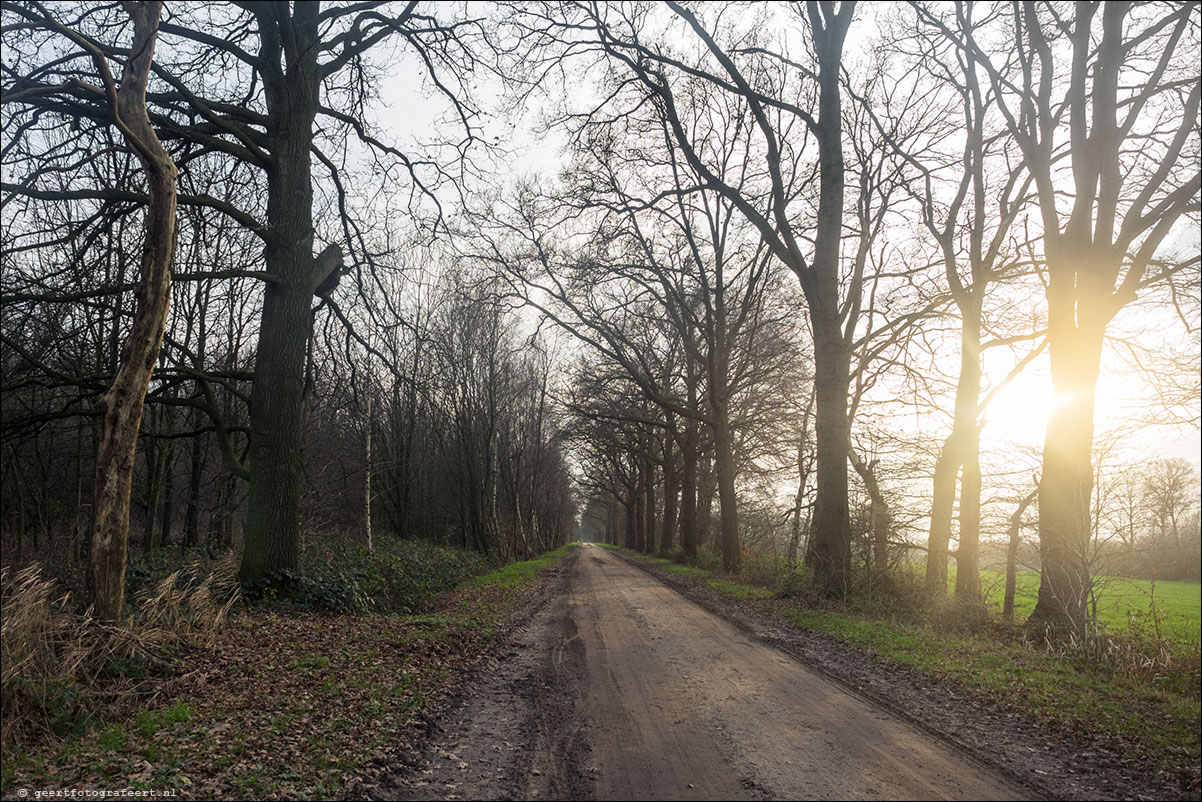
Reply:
x=621, y=688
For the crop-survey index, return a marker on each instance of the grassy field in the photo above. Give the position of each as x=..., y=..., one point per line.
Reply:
x=1135, y=606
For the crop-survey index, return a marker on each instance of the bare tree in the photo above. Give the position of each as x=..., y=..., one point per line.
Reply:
x=1103, y=103
x=122, y=403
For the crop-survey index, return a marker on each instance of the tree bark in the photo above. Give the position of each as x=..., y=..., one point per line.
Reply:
x=968, y=393
x=688, y=489
x=669, y=526
x=688, y=477
x=830, y=540
x=640, y=516
x=291, y=81
x=649, y=491
x=168, y=516
x=122, y=404
x=943, y=503
x=628, y=534
x=724, y=467
x=367, y=478
x=153, y=458
x=191, y=536
x=706, y=486
x=1066, y=487
x=831, y=536
x=968, y=571
x=1015, y=537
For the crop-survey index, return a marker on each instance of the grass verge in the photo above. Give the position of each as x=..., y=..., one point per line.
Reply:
x=288, y=704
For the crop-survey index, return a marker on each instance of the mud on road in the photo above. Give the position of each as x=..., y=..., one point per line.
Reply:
x=618, y=687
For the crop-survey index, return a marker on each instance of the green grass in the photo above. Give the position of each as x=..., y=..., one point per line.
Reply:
x=1124, y=605
x=518, y=574
x=1070, y=694
x=149, y=721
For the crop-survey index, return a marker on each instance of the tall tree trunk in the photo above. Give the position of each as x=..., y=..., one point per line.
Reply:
x=968, y=555
x=291, y=80
x=688, y=489
x=77, y=526
x=1015, y=537
x=688, y=477
x=803, y=478
x=276, y=412
x=943, y=503
x=831, y=536
x=968, y=399
x=724, y=467
x=830, y=540
x=367, y=478
x=640, y=517
x=121, y=405
x=649, y=490
x=665, y=542
x=1066, y=486
x=798, y=505
x=628, y=534
x=168, y=499
x=192, y=512
x=706, y=487
x=155, y=468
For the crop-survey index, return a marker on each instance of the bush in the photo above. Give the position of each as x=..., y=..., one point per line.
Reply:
x=962, y=616
x=400, y=576
x=675, y=554
x=709, y=559
x=417, y=572
x=323, y=591
x=795, y=582
x=763, y=568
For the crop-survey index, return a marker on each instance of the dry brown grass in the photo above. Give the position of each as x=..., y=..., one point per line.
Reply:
x=57, y=663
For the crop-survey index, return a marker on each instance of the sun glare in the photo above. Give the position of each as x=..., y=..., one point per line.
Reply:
x=1019, y=413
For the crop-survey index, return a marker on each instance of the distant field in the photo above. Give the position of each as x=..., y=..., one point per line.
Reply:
x=1123, y=604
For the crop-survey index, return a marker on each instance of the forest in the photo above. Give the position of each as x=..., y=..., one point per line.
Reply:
x=327, y=328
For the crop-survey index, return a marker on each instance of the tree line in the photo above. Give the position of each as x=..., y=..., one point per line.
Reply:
x=958, y=157
x=774, y=224
x=303, y=323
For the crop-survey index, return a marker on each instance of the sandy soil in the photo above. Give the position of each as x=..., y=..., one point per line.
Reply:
x=618, y=687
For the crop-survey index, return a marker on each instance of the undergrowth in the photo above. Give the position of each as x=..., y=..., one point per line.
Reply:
x=289, y=703
x=398, y=576
x=59, y=665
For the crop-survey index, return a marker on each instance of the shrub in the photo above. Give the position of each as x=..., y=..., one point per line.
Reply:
x=963, y=616
x=399, y=576
x=675, y=554
x=323, y=591
x=762, y=568
x=416, y=572
x=795, y=582
x=709, y=559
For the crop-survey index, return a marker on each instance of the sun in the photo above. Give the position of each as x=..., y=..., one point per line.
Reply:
x=1019, y=413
